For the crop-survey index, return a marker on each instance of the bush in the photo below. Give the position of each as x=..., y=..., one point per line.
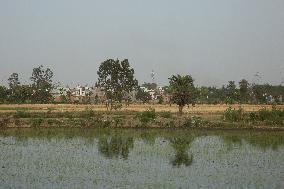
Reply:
x=147, y=116
x=88, y=112
x=166, y=114
x=233, y=115
x=21, y=114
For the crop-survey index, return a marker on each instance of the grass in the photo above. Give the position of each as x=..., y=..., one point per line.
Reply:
x=271, y=116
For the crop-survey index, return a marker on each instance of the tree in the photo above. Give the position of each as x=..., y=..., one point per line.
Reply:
x=3, y=94
x=244, y=91
x=231, y=92
x=150, y=86
x=117, y=79
x=183, y=90
x=42, y=85
x=143, y=96
x=13, y=80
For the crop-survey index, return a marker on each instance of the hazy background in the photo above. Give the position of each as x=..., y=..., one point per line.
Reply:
x=214, y=41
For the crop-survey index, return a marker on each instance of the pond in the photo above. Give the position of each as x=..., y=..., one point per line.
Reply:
x=130, y=158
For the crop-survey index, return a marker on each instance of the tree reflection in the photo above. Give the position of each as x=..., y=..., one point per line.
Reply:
x=115, y=147
x=182, y=157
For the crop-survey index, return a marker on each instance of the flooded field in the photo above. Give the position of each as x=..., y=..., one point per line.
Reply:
x=129, y=158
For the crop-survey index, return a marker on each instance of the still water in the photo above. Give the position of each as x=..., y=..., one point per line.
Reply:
x=128, y=158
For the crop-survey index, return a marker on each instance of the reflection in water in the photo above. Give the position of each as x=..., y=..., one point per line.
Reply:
x=68, y=158
x=181, y=146
x=115, y=147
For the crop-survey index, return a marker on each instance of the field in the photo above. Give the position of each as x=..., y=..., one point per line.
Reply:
x=198, y=109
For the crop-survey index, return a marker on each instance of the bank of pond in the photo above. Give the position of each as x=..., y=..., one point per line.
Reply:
x=230, y=119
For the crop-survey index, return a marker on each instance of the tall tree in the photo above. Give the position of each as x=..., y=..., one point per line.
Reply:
x=183, y=90
x=13, y=80
x=42, y=85
x=3, y=94
x=117, y=79
x=244, y=91
x=231, y=92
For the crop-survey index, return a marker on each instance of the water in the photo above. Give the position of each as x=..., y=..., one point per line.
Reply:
x=128, y=158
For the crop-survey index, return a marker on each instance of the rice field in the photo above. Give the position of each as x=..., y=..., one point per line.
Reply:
x=102, y=158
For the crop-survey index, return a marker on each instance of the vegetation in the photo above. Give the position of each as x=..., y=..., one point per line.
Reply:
x=269, y=117
x=147, y=116
x=117, y=79
x=182, y=90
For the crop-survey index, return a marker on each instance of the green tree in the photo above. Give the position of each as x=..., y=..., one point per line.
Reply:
x=3, y=94
x=183, y=90
x=231, y=92
x=150, y=86
x=117, y=79
x=244, y=91
x=143, y=96
x=42, y=85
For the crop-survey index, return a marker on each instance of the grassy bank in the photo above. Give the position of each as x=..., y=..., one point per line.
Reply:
x=231, y=118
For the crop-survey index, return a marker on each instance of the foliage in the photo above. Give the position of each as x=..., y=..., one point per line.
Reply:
x=244, y=91
x=21, y=114
x=166, y=114
x=183, y=90
x=273, y=116
x=143, y=96
x=3, y=94
x=147, y=116
x=233, y=115
x=231, y=93
x=117, y=79
x=150, y=86
x=42, y=85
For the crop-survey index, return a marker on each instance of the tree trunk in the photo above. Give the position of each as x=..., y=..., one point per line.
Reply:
x=180, y=107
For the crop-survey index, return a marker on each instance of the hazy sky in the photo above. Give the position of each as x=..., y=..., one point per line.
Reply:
x=213, y=40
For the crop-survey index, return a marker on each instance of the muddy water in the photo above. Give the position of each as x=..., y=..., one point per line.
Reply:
x=104, y=158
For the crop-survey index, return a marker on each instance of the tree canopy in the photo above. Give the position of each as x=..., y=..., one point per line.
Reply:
x=117, y=79
x=182, y=90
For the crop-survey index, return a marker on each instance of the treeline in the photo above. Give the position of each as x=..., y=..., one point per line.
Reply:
x=38, y=91
x=244, y=93
x=117, y=80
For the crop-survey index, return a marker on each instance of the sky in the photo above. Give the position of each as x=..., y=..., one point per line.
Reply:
x=214, y=41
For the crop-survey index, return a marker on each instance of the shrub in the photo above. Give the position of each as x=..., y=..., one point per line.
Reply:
x=36, y=122
x=166, y=114
x=21, y=114
x=147, y=116
x=233, y=115
x=88, y=112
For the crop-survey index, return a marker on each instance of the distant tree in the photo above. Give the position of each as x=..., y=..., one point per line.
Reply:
x=244, y=91
x=150, y=86
x=183, y=90
x=160, y=100
x=42, y=85
x=143, y=96
x=231, y=92
x=116, y=78
x=13, y=80
x=3, y=94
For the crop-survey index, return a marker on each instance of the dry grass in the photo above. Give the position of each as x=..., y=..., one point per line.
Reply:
x=198, y=109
